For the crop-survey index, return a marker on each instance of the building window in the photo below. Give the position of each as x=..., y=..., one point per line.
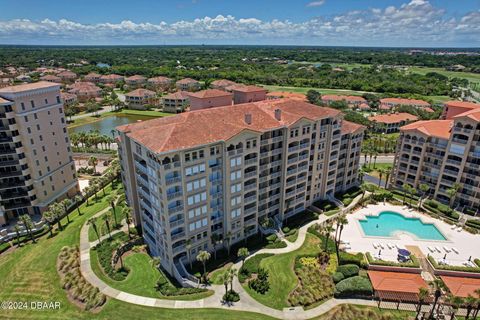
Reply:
x=235, y=175
x=235, y=162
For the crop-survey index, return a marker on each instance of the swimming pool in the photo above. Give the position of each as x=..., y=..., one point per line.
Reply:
x=389, y=223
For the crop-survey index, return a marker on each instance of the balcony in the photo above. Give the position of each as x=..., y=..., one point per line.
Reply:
x=177, y=223
x=462, y=141
x=292, y=160
x=250, y=174
x=251, y=161
x=250, y=211
x=250, y=199
x=177, y=236
x=8, y=151
x=173, y=180
x=277, y=139
x=451, y=172
x=291, y=183
x=174, y=195
x=175, y=209
x=251, y=186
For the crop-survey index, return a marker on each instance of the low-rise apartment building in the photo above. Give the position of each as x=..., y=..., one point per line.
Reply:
x=51, y=78
x=160, y=83
x=36, y=165
x=246, y=94
x=93, y=77
x=67, y=76
x=222, y=84
x=69, y=99
x=140, y=99
x=391, y=122
x=85, y=91
x=188, y=84
x=176, y=102
x=440, y=153
x=352, y=101
x=225, y=170
x=453, y=108
x=135, y=81
x=112, y=79
x=209, y=99
x=390, y=103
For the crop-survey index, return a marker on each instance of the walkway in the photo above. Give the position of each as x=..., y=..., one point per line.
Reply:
x=90, y=114
x=246, y=303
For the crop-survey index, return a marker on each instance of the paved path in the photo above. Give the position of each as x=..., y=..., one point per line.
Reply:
x=246, y=303
x=90, y=114
x=380, y=159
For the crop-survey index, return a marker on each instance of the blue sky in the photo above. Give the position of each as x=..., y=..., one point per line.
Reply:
x=314, y=22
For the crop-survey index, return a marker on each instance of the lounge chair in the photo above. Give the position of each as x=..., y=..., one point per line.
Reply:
x=375, y=245
x=438, y=249
x=390, y=246
x=382, y=246
x=447, y=250
x=455, y=250
x=453, y=227
x=459, y=229
x=431, y=249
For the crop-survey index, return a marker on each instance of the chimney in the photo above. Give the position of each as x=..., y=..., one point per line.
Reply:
x=278, y=114
x=248, y=118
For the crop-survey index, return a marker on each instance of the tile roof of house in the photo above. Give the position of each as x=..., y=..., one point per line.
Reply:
x=66, y=95
x=473, y=114
x=29, y=86
x=434, y=128
x=462, y=104
x=112, y=76
x=351, y=127
x=396, y=281
x=333, y=97
x=210, y=93
x=461, y=287
x=364, y=106
x=250, y=88
x=93, y=75
x=406, y=102
x=195, y=128
x=187, y=81
x=223, y=83
x=83, y=88
x=50, y=77
x=135, y=78
x=178, y=95
x=393, y=117
x=140, y=93
x=67, y=73
x=289, y=95
x=159, y=79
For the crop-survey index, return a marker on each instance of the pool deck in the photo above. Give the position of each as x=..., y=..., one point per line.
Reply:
x=464, y=242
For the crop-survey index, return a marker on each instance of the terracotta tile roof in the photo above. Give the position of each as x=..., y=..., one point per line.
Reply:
x=140, y=93
x=187, y=81
x=473, y=114
x=461, y=287
x=243, y=88
x=178, y=95
x=135, y=78
x=462, y=104
x=112, y=76
x=406, y=102
x=67, y=73
x=393, y=117
x=159, y=79
x=84, y=88
x=289, y=95
x=396, y=281
x=195, y=128
x=364, y=106
x=351, y=127
x=332, y=97
x=428, y=109
x=93, y=75
x=210, y=93
x=50, y=77
x=29, y=86
x=67, y=96
x=223, y=83
x=434, y=128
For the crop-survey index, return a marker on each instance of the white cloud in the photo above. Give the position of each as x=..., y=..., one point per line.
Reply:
x=416, y=23
x=316, y=3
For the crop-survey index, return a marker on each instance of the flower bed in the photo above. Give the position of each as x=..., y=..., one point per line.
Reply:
x=414, y=263
x=105, y=251
x=452, y=268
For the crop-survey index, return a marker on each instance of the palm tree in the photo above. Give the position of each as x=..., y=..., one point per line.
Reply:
x=388, y=172
x=106, y=218
x=56, y=211
x=65, y=203
x=423, y=187
x=328, y=231
x=364, y=188
x=188, y=246
x=225, y=279
x=214, y=238
x=27, y=222
x=470, y=304
x=78, y=201
x=93, y=161
x=126, y=212
x=405, y=190
x=411, y=191
x=117, y=243
x=17, y=232
x=423, y=294
x=381, y=172
x=228, y=238
x=477, y=293
x=111, y=200
x=455, y=302
x=92, y=222
x=203, y=256
x=49, y=219
x=452, y=193
x=243, y=253
x=375, y=154
x=232, y=273
x=437, y=295
x=341, y=222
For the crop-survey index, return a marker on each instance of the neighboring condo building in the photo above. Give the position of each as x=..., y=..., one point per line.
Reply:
x=140, y=99
x=225, y=170
x=247, y=94
x=351, y=101
x=36, y=165
x=441, y=153
x=210, y=98
x=176, y=102
x=188, y=84
x=222, y=84
x=391, y=122
x=135, y=81
x=85, y=91
x=160, y=83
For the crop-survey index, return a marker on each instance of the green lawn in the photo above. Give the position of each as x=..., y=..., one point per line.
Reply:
x=147, y=113
x=30, y=274
x=472, y=77
x=141, y=279
x=215, y=276
x=102, y=227
x=375, y=173
x=356, y=312
x=282, y=278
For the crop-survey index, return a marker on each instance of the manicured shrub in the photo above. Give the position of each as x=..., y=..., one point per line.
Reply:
x=286, y=230
x=337, y=277
x=260, y=284
x=348, y=270
x=105, y=251
x=413, y=263
x=452, y=268
x=272, y=238
x=231, y=296
x=353, y=286
x=251, y=265
x=167, y=289
x=348, y=258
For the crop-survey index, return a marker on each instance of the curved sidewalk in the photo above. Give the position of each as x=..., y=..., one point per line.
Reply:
x=246, y=303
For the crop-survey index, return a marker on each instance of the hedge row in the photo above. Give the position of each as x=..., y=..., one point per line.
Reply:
x=414, y=263
x=349, y=258
x=105, y=251
x=453, y=268
x=353, y=286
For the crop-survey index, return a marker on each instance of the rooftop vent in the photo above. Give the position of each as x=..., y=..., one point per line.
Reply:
x=278, y=114
x=248, y=118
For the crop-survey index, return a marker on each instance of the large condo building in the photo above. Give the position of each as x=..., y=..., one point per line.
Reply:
x=36, y=166
x=441, y=153
x=226, y=169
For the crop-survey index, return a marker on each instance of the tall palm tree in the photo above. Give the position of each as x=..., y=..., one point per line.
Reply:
x=106, y=219
x=188, y=246
x=437, y=295
x=341, y=222
x=423, y=187
x=56, y=211
x=92, y=222
x=423, y=294
x=225, y=278
x=455, y=303
x=203, y=256
x=127, y=211
x=388, y=172
x=470, y=302
x=111, y=200
x=232, y=273
x=93, y=161
x=452, y=193
x=375, y=154
x=78, y=202
x=328, y=231
x=27, y=222
x=17, y=232
x=49, y=219
x=65, y=203
x=228, y=239
x=381, y=172
x=214, y=238
x=243, y=253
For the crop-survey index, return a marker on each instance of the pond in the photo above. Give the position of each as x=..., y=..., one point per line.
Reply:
x=105, y=125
